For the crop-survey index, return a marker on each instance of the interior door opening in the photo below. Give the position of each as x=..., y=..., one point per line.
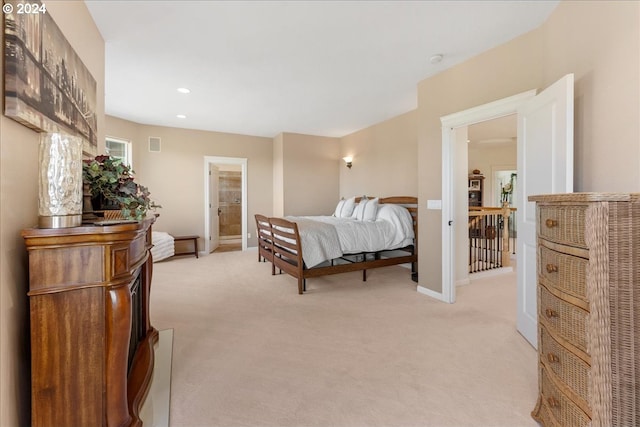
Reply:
x=229, y=209
x=455, y=182
x=490, y=237
x=545, y=166
x=225, y=203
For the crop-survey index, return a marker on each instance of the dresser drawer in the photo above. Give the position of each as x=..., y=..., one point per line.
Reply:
x=567, y=367
x=542, y=414
x=565, y=272
x=563, y=318
x=564, y=410
x=562, y=224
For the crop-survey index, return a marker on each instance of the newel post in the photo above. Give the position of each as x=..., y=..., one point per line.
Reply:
x=506, y=213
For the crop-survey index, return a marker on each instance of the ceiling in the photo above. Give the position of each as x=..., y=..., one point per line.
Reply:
x=314, y=67
x=500, y=131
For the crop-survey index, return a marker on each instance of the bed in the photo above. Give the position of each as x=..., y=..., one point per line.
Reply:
x=362, y=234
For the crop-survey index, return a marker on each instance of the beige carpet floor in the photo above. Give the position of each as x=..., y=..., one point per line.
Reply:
x=249, y=351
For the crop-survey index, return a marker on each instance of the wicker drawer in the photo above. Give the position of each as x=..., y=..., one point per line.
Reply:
x=565, y=319
x=564, y=272
x=563, y=410
x=542, y=414
x=566, y=366
x=562, y=224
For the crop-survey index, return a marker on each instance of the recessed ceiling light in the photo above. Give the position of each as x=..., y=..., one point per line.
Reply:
x=183, y=90
x=435, y=58
x=181, y=116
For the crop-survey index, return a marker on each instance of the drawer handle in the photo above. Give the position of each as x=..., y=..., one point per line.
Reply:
x=552, y=268
x=550, y=223
x=552, y=358
x=550, y=313
x=553, y=402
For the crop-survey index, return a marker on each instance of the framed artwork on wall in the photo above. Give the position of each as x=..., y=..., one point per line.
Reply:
x=46, y=85
x=474, y=184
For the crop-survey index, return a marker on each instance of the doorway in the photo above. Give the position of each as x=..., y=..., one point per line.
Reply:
x=454, y=174
x=225, y=195
x=229, y=208
x=545, y=166
x=492, y=156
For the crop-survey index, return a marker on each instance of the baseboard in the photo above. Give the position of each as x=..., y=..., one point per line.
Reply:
x=490, y=273
x=428, y=292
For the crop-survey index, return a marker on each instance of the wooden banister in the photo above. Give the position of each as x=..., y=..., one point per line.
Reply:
x=479, y=217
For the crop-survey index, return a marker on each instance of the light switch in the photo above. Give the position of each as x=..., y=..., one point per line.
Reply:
x=434, y=204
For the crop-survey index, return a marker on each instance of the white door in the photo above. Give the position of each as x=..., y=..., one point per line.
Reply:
x=545, y=166
x=214, y=208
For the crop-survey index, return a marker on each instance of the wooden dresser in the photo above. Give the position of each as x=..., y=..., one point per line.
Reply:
x=91, y=339
x=588, y=309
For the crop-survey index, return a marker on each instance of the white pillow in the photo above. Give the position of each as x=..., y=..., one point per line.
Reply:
x=349, y=207
x=359, y=210
x=345, y=208
x=370, y=210
x=366, y=210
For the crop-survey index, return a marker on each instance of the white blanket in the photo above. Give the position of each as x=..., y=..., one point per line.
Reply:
x=163, y=245
x=319, y=241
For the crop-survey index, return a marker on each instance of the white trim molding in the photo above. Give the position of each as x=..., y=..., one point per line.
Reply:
x=428, y=292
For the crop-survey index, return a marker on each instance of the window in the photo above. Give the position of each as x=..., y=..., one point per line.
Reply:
x=120, y=149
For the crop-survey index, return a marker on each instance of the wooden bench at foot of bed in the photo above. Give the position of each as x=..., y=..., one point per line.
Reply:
x=279, y=242
x=192, y=240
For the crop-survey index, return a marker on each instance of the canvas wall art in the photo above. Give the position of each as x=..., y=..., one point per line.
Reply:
x=47, y=86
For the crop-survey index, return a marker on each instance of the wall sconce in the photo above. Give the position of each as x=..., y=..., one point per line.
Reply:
x=349, y=161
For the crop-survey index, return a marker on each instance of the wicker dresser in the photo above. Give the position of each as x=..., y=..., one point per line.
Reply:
x=588, y=309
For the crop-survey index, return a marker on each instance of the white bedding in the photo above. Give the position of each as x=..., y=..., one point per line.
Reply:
x=392, y=229
x=320, y=241
x=163, y=245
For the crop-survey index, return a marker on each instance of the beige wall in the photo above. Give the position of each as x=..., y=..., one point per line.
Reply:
x=384, y=159
x=509, y=69
x=291, y=174
x=175, y=175
x=310, y=175
x=19, y=209
x=599, y=42
x=278, y=175
x=604, y=54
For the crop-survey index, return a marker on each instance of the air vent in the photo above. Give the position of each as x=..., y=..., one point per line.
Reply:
x=154, y=144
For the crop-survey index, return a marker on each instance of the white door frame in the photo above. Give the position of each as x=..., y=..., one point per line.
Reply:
x=481, y=113
x=242, y=162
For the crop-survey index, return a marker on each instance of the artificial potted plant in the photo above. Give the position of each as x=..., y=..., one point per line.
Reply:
x=112, y=187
